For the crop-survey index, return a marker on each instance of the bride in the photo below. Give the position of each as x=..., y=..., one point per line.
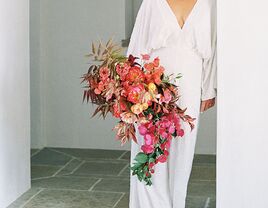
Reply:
x=182, y=33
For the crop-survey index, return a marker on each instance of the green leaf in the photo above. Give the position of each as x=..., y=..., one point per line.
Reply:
x=151, y=160
x=141, y=157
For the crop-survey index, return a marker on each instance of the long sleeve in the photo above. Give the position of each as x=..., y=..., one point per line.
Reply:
x=209, y=73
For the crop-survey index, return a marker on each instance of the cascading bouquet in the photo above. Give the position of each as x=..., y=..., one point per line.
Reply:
x=142, y=97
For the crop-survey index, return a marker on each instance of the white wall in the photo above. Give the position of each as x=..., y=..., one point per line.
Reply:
x=61, y=32
x=242, y=154
x=36, y=81
x=62, y=39
x=14, y=100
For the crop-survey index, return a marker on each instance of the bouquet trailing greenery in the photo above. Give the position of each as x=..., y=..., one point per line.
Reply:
x=142, y=97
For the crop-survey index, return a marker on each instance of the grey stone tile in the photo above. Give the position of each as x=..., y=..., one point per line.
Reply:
x=212, y=203
x=70, y=167
x=38, y=171
x=124, y=202
x=202, y=188
x=204, y=159
x=33, y=151
x=126, y=173
x=126, y=156
x=73, y=199
x=195, y=202
x=203, y=173
x=24, y=198
x=100, y=168
x=49, y=157
x=92, y=153
x=64, y=182
x=113, y=185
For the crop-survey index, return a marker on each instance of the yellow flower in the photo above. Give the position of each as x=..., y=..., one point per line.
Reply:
x=152, y=87
x=145, y=106
x=137, y=108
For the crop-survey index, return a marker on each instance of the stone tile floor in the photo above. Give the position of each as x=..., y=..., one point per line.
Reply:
x=83, y=178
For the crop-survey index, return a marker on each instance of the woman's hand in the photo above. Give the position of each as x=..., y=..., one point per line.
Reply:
x=206, y=104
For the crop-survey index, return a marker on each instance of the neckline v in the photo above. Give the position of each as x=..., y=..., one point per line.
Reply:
x=181, y=28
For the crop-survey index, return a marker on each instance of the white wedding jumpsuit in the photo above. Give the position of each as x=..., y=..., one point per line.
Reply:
x=191, y=51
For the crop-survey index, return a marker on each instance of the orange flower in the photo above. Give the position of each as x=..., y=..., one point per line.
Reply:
x=155, y=75
x=135, y=74
x=149, y=66
x=104, y=73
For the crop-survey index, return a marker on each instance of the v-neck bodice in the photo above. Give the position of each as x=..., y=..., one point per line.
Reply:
x=173, y=16
x=159, y=28
x=187, y=19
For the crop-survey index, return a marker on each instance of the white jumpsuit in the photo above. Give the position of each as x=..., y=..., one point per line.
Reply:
x=191, y=51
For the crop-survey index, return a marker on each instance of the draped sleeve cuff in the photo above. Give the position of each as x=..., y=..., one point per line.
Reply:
x=209, y=71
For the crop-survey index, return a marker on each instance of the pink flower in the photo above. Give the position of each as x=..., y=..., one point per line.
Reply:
x=171, y=129
x=142, y=130
x=162, y=158
x=147, y=149
x=134, y=93
x=166, y=152
x=156, y=62
x=180, y=133
x=149, y=139
x=163, y=133
x=166, y=98
x=145, y=57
